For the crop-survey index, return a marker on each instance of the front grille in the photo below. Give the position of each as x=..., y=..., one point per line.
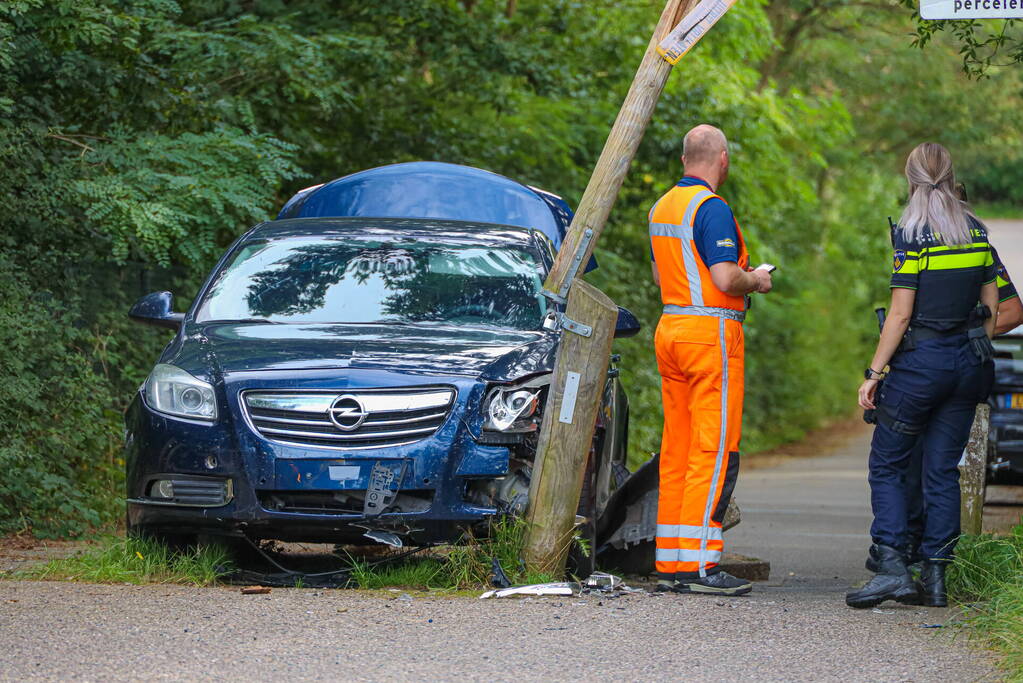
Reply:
x=358, y=419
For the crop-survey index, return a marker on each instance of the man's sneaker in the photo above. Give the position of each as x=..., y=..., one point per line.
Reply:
x=721, y=583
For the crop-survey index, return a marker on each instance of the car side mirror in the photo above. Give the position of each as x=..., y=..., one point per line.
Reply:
x=627, y=325
x=157, y=309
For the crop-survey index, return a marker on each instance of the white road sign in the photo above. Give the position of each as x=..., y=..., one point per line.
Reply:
x=971, y=9
x=693, y=27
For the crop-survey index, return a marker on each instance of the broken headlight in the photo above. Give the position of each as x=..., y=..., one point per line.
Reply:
x=510, y=409
x=171, y=390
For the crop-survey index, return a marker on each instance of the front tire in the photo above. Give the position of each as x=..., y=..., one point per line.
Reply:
x=582, y=554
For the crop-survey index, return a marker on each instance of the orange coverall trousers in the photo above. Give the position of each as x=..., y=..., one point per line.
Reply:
x=700, y=359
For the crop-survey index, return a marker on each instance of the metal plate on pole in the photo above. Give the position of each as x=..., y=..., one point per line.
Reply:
x=568, y=402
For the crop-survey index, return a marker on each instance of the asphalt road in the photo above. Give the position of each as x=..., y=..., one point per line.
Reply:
x=808, y=516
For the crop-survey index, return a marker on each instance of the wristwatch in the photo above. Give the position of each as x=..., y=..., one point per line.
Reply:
x=871, y=373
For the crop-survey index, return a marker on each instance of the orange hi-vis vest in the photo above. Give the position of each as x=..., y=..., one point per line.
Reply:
x=685, y=279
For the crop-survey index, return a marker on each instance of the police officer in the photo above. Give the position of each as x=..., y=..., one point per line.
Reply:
x=936, y=342
x=1010, y=315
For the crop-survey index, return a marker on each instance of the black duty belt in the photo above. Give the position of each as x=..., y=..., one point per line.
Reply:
x=919, y=334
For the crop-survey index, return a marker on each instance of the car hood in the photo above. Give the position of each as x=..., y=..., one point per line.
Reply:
x=498, y=355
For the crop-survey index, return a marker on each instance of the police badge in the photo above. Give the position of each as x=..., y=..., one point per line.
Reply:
x=900, y=259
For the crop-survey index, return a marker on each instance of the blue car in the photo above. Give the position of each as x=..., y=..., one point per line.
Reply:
x=360, y=379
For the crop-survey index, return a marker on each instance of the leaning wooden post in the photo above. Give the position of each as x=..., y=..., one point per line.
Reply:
x=583, y=359
x=973, y=471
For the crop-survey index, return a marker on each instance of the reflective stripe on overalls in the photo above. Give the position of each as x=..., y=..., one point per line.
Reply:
x=699, y=353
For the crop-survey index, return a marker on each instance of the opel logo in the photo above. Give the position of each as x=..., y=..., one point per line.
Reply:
x=347, y=413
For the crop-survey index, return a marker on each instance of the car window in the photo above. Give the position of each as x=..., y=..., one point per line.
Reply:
x=303, y=280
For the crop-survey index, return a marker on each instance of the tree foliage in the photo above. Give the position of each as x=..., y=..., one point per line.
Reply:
x=138, y=137
x=984, y=44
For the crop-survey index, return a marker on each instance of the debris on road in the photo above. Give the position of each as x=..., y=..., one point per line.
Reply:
x=603, y=581
x=255, y=590
x=498, y=578
x=556, y=588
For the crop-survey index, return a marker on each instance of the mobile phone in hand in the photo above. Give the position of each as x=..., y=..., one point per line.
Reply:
x=767, y=266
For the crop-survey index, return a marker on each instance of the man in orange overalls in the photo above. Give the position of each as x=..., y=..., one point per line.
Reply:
x=701, y=264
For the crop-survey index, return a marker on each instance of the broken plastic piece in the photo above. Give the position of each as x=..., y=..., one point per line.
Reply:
x=385, y=537
x=379, y=495
x=498, y=579
x=603, y=581
x=557, y=588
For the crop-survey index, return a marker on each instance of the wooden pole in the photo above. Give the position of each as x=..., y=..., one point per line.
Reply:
x=619, y=150
x=973, y=471
x=566, y=431
x=582, y=363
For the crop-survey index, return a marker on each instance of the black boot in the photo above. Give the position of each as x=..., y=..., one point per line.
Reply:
x=932, y=583
x=891, y=582
x=914, y=560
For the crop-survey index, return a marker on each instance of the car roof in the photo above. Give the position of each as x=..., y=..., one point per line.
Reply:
x=438, y=190
x=429, y=229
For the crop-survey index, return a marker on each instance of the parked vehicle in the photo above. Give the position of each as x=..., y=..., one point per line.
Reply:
x=357, y=380
x=1005, y=444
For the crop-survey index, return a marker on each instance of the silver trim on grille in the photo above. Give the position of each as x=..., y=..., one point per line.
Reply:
x=303, y=418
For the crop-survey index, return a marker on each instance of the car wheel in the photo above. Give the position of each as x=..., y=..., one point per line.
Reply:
x=582, y=555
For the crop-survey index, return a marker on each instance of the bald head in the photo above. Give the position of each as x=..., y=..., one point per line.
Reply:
x=703, y=144
x=705, y=154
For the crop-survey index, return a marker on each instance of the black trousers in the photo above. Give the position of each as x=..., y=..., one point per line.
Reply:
x=929, y=400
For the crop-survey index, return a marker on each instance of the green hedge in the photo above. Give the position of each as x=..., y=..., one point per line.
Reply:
x=152, y=132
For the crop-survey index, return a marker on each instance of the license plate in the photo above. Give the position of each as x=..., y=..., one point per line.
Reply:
x=344, y=475
x=1012, y=401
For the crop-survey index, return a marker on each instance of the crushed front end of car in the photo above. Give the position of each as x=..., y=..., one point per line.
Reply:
x=412, y=420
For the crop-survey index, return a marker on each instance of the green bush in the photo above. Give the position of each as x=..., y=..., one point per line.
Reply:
x=145, y=133
x=59, y=454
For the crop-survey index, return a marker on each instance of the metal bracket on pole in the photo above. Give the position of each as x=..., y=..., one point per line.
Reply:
x=577, y=259
x=560, y=300
x=576, y=327
x=556, y=321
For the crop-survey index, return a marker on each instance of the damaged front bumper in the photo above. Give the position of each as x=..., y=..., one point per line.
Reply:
x=224, y=479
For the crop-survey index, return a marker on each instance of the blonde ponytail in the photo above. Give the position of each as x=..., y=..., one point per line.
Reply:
x=932, y=198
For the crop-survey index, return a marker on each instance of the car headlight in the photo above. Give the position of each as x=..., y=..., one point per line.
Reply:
x=171, y=390
x=510, y=409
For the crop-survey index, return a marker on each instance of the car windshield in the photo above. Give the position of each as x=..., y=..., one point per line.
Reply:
x=316, y=280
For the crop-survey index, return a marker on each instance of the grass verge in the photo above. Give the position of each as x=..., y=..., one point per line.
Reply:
x=987, y=580
x=465, y=566
x=136, y=561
